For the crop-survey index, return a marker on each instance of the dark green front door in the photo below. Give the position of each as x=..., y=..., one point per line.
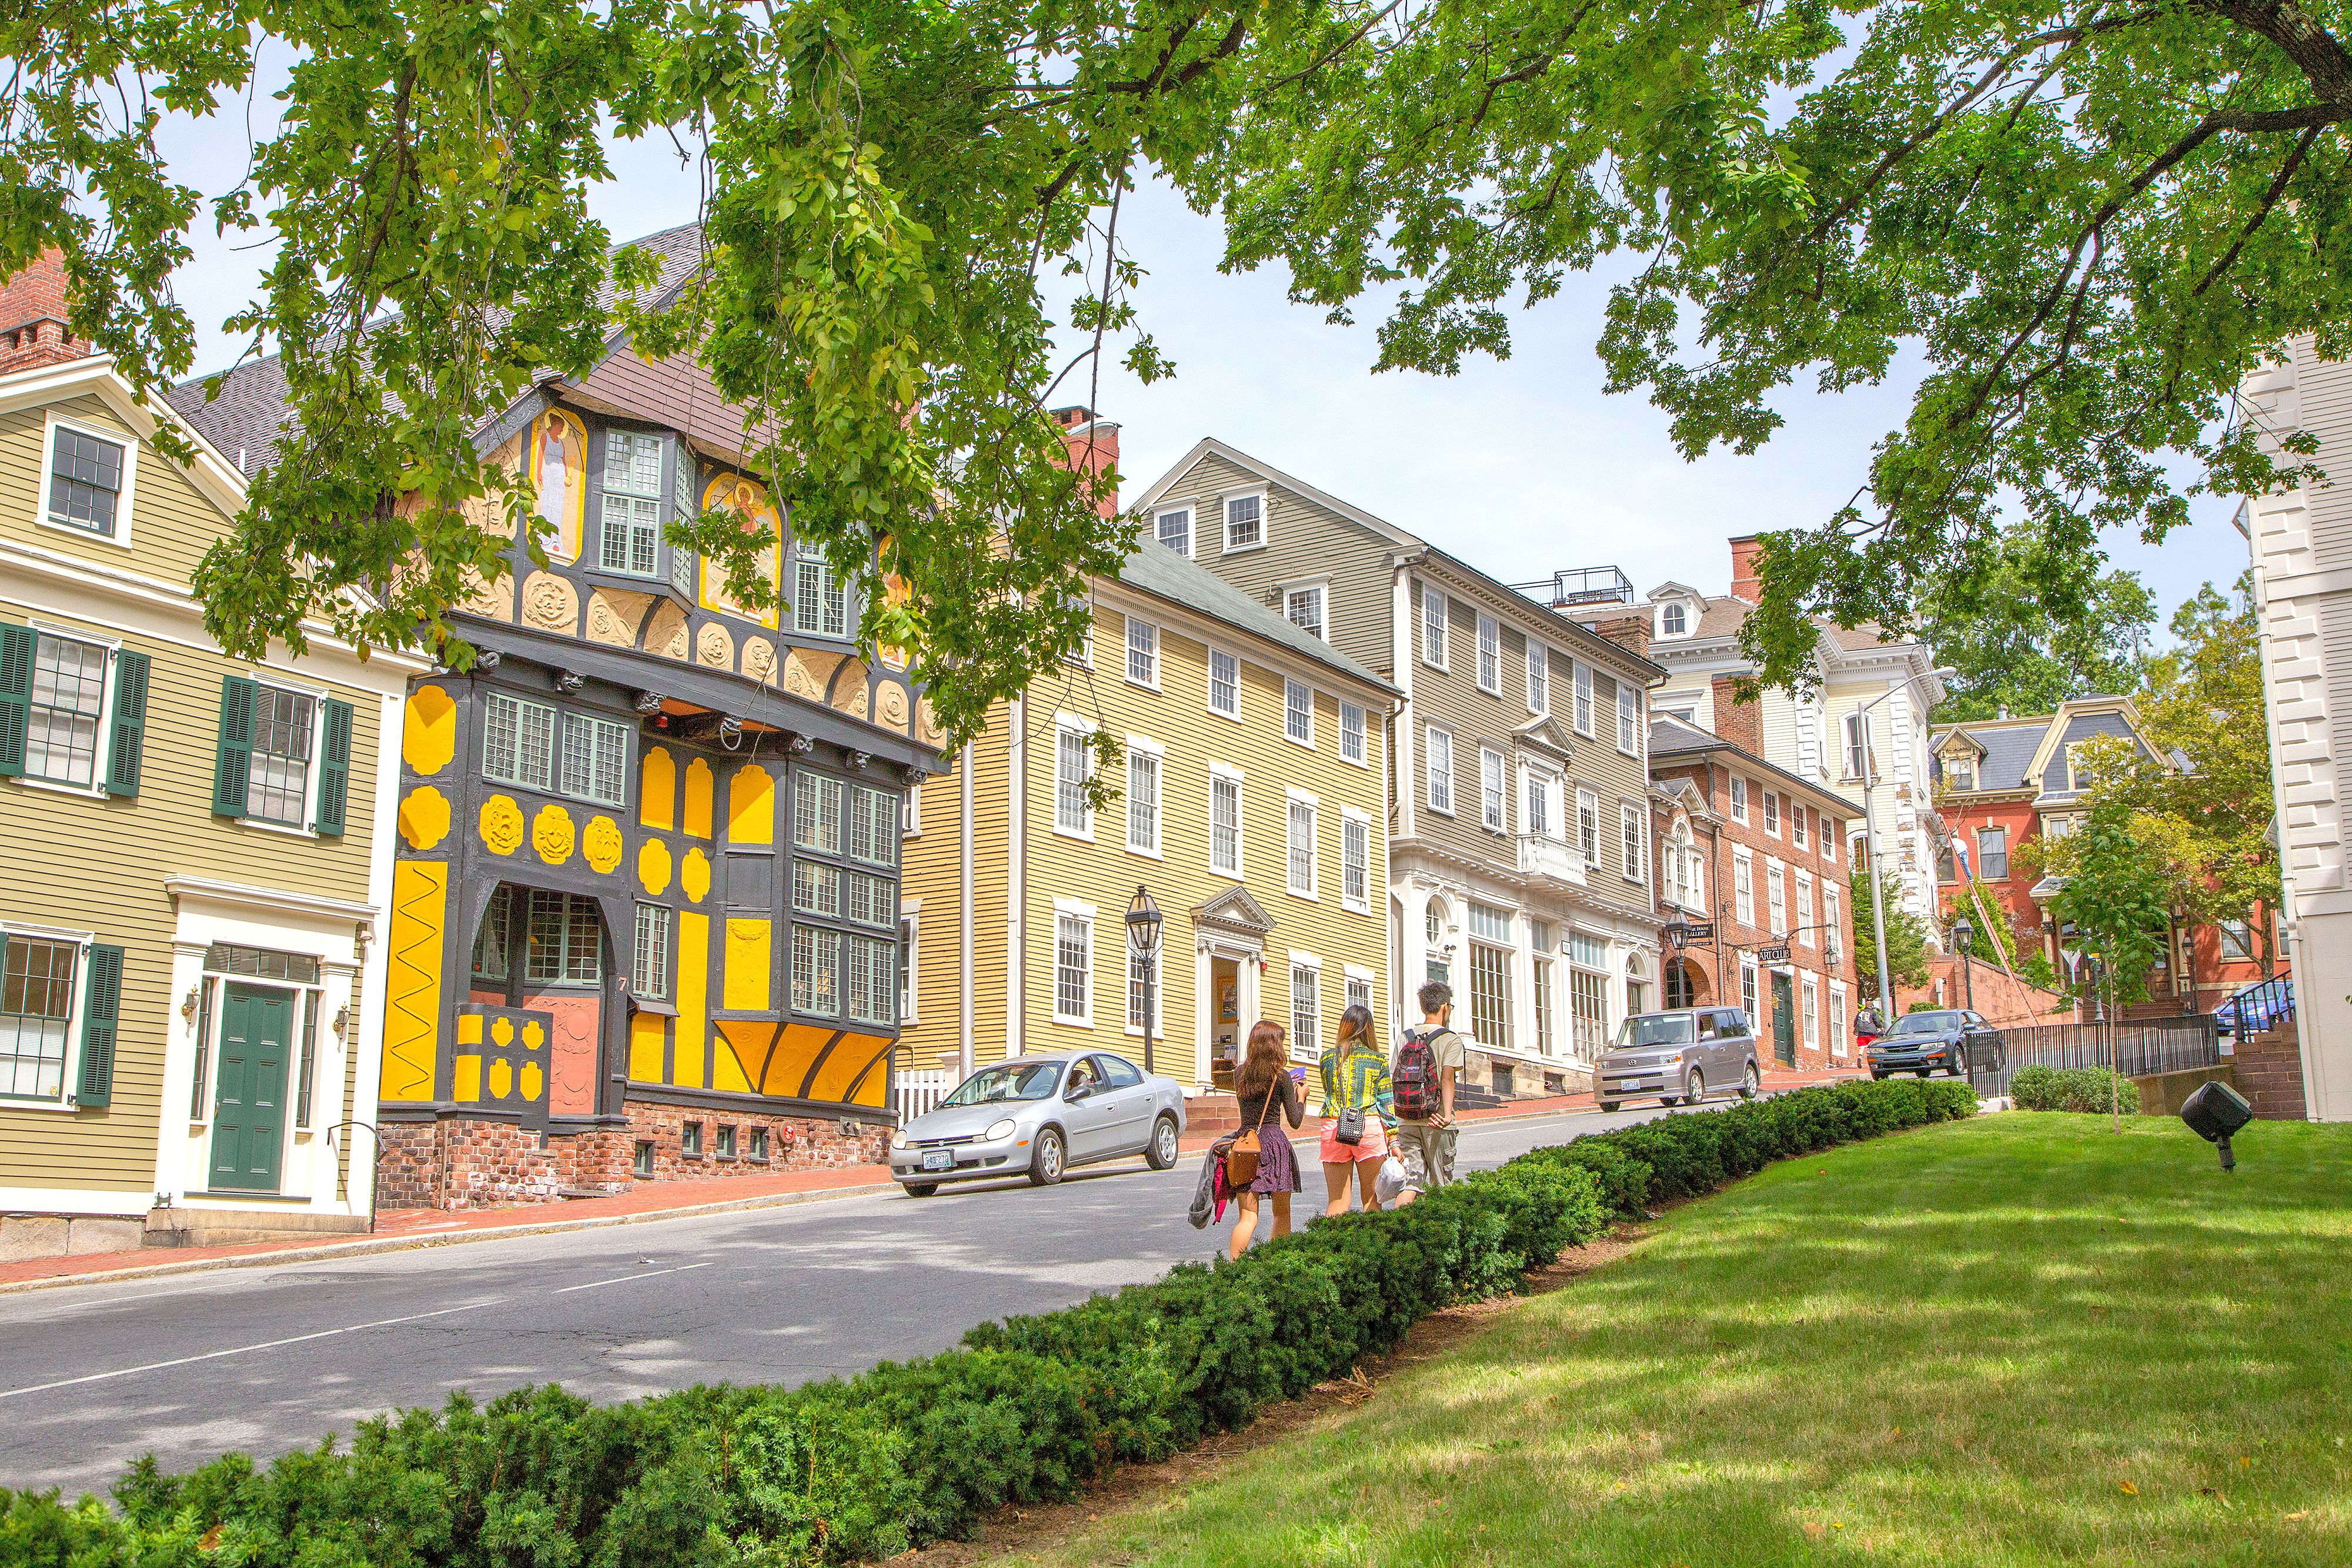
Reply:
x=249, y=1096
x=1784, y=1020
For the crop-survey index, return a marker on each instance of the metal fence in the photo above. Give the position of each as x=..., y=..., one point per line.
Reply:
x=2136, y=1049
x=920, y=1089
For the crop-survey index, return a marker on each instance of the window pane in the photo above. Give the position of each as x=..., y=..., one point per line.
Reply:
x=1355, y=855
x=1224, y=682
x=649, y=976
x=1176, y=532
x=816, y=979
x=816, y=813
x=68, y=697
x=1351, y=731
x=1298, y=712
x=37, y=988
x=873, y=979
x=1073, y=955
x=1142, y=652
x=1301, y=838
x=873, y=900
x=1244, y=522
x=86, y=482
x=1306, y=1009
x=1070, y=770
x=1143, y=801
x=633, y=462
x=278, y=788
x=1225, y=825
x=816, y=889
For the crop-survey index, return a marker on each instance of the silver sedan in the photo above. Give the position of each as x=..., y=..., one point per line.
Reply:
x=1040, y=1117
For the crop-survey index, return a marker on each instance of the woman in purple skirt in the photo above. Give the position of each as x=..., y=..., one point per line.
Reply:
x=1263, y=1085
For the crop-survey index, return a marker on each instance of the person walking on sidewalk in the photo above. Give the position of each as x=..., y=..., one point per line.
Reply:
x=1428, y=1061
x=1262, y=1086
x=1355, y=1099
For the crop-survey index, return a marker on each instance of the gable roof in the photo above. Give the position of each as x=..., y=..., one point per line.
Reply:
x=1235, y=910
x=1159, y=571
x=1673, y=742
x=2019, y=753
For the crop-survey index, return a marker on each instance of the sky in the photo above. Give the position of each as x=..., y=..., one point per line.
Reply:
x=1521, y=466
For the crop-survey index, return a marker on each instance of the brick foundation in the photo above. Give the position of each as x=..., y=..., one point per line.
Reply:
x=2269, y=1072
x=459, y=1162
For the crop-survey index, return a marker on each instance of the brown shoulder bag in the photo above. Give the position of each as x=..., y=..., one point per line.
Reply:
x=1241, y=1158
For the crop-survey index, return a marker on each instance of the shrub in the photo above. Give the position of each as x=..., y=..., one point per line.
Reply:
x=908, y=1453
x=2090, y=1089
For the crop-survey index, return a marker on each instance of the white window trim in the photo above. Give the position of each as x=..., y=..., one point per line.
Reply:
x=1077, y=909
x=1192, y=528
x=1240, y=823
x=1487, y=623
x=1446, y=628
x=69, y=1070
x=1339, y=743
x=1158, y=652
x=1627, y=691
x=1208, y=684
x=1080, y=727
x=1293, y=795
x=1308, y=687
x=1452, y=769
x=1321, y=583
x=1633, y=873
x=319, y=696
x=1738, y=791
x=1357, y=905
x=1539, y=656
x=103, y=758
x=910, y=927
x=1577, y=839
x=1743, y=859
x=1583, y=697
x=911, y=823
x=1549, y=780
x=123, y=498
x=1771, y=816
x=1225, y=521
x=1502, y=772
x=1147, y=746
x=1808, y=930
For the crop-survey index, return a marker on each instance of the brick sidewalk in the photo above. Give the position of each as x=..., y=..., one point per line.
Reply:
x=404, y=1229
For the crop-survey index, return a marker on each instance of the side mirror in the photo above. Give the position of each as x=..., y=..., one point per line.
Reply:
x=2214, y=1112
x=1078, y=1092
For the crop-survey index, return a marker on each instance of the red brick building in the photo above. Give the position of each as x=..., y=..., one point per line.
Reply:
x=1761, y=855
x=2002, y=783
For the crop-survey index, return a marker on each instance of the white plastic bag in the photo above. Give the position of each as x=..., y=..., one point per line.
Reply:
x=1391, y=1181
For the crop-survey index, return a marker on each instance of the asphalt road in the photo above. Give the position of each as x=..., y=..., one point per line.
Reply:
x=267, y=1360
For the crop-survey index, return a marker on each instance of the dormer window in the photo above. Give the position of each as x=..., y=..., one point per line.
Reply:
x=632, y=503
x=1673, y=621
x=1960, y=771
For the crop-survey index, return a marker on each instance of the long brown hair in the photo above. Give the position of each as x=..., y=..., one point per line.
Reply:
x=1265, y=1062
x=1356, y=1023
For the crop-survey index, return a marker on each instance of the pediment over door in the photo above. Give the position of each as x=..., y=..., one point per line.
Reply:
x=1234, y=911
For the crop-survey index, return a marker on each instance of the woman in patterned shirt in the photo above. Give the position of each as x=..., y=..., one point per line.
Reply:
x=1356, y=1074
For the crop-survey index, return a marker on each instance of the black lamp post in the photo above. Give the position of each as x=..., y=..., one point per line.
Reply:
x=1143, y=934
x=1964, y=937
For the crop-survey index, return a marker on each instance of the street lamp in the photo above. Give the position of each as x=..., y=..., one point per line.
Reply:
x=1964, y=937
x=1870, y=835
x=1143, y=935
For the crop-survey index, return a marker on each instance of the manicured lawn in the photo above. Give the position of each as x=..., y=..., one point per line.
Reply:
x=2018, y=1340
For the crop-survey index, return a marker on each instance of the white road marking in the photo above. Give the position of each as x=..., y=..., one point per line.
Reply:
x=241, y=1349
x=624, y=1279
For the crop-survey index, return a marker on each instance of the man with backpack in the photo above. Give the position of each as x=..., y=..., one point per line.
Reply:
x=1428, y=1059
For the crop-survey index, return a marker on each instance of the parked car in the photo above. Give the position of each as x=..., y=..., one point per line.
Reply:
x=1040, y=1117
x=1952, y=1039
x=1682, y=1056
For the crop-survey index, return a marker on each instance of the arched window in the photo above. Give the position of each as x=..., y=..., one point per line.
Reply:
x=1673, y=621
x=1434, y=925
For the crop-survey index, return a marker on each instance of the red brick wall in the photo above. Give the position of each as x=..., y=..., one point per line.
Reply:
x=1740, y=723
x=33, y=317
x=2270, y=1072
x=1743, y=551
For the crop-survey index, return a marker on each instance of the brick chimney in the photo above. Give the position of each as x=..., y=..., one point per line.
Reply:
x=1744, y=584
x=1093, y=446
x=33, y=328
x=1740, y=723
x=1627, y=629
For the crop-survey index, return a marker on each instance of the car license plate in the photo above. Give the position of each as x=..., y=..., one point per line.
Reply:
x=939, y=1159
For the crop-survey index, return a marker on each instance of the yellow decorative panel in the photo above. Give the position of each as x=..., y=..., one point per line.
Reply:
x=420, y=899
x=551, y=834
x=751, y=806
x=653, y=866
x=501, y=1080
x=424, y=817
x=467, y=1088
x=601, y=842
x=501, y=824
x=657, y=788
x=428, y=735
x=532, y=1078
x=843, y=1064
x=699, y=788
x=727, y=1069
x=747, y=967
x=502, y=1031
x=696, y=878
x=469, y=1028
x=646, y=1038
x=693, y=997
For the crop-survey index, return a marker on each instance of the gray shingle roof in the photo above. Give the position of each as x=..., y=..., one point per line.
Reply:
x=1159, y=571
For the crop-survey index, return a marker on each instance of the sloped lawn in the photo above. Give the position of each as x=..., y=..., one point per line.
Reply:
x=2023, y=1339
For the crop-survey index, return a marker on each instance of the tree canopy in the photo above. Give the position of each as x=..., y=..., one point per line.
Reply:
x=2010, y=651
x=1907, y=940
x=2087, y=219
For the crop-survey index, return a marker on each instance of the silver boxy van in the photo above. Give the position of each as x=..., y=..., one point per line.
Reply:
x=1680, y=1056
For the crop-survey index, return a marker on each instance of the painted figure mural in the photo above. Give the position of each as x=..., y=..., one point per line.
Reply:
x=748, y=499
x=559, y=466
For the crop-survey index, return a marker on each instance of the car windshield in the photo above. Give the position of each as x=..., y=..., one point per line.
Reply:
x=1655, y=1029
x=1009, y=1080
x=1925, y=1024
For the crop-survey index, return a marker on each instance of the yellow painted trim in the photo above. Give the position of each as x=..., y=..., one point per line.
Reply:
x=693, y=998
x=657, y=788
x=750, y=960
x=420, y=898
x=699, y=788
x=751, y=806
x=428, y=738
x=647, y=1034
x=465, y=1087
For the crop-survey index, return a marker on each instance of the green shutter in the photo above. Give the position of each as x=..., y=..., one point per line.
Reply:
x=101, y=1003
x=129, y=723
x=334, y=766
x=16, y=695
x=233, y=763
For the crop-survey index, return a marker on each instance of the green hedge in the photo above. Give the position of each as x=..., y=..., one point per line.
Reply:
x=906, y=1453
x=2040, y=1088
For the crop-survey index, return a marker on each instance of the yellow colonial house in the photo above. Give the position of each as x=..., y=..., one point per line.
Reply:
x=1248, y=803
x=199, y=850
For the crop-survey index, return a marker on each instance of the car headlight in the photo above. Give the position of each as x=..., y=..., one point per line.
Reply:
x=1004, y=1129
x=898, y=1139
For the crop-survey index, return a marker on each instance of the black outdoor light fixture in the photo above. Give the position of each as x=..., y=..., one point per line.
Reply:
x=2214, y=1112
x=1678, y=933
x=1964, y=937
x=1144, y=933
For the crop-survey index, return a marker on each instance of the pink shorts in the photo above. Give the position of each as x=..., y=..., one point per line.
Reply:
x=1374, y=1146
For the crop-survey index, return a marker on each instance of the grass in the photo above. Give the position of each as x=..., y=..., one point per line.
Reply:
x=2020, y=1340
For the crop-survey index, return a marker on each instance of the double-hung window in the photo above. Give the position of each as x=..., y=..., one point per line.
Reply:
x=1298, y=712
x=1074, y=955
x=595, y=758
x=1538, y=819
x=1493, y=793
x=1776, y=895
x=1073, y=768
x=632, y=503
x=518, y=742
x=1304, y=606
x=1588, y=827
x=1433, y=627
x=820, y=601
x=1440, y=770
x=1738, y=799
x=278, y=785
x=1583, y=684
x=1491, y=947
x=1143, y=653
x=1244, y=522
x=1299, y=844
x=86, y=481
x=2237, y=941
x=1224, y=683
x=1830, y=827
x=37, y=992
x=1633, y=828
x=1797, y=823
x=1772, y=813
x=1143, y=798
x=1807, y=927
x=1351, y=734
x=65, y=704
x=1225, y=823
x=1539, y=678
x=1355, y=860
x=649, y=974
x=1175, y=530
x=1629, y=719
x=1743, y=887
x=1856, y=726
x=1810, y=992
x=1306, y=1006
x=1490, y=655
x=1992, y=853
x=1832, y=918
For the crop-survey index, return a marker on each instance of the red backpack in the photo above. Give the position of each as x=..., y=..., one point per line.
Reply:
x=1414, y=1079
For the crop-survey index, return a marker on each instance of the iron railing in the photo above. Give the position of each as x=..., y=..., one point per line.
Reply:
x=2136, y=1049
x=2263, y=1005
x=1581, y=585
